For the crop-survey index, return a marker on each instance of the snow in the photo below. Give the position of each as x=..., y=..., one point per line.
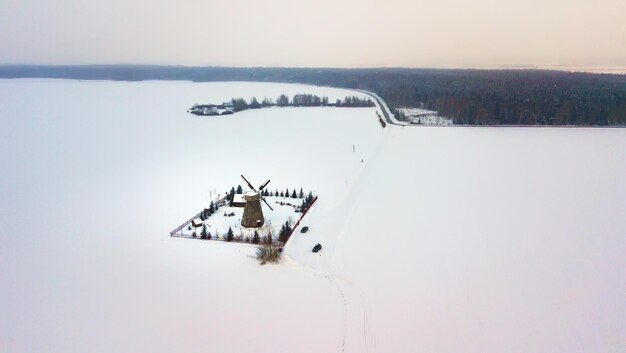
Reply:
x=109, y=168
x=441, y=240
x=497, y=240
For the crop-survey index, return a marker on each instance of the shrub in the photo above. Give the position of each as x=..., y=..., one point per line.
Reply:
x=268, y=253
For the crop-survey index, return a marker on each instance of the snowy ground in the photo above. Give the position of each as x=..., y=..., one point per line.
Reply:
x=424, y=116
x=93, y=177
x=435, y=240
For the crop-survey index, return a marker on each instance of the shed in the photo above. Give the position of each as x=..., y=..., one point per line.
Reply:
x=239, y=201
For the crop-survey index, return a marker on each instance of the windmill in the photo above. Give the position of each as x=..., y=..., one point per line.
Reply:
x=252, y=213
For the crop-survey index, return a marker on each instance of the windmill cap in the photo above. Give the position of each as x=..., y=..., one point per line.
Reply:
x=252, y=197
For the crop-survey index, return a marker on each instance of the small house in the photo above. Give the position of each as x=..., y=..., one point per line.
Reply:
x=239, y=201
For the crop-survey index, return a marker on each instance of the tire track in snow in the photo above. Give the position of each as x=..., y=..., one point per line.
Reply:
x=367, y=336
x=345, y=310
x=328, y=277
x=358, y=335
x=355, y=338
x=357, y=332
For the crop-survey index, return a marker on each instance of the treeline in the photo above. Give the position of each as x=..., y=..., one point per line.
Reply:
x=467, y=96
x=307, y=198
x=515, y=97
x=298, y=100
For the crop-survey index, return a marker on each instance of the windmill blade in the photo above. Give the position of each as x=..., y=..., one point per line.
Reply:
x=268, y=205
x=264, y=185
x=247, y=182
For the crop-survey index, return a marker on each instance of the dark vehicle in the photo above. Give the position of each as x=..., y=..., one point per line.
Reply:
x=304, y=229
x=317, y=247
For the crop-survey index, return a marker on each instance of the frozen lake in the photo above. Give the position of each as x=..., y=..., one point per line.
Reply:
x=435, y=239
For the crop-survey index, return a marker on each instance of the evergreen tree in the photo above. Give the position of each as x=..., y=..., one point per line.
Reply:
x=203, y=233
x=231, y=196
x=230, y=235
x=254, y=104
x=281, y=233
x=285, y=232
x=293, y=194
x=267, y=102
x=239, y=104
x=239, y=189
x=282, y=194
x=211, y=208
x=301, y=194
x=255, y=238
x=208, y=235
x=282, y=100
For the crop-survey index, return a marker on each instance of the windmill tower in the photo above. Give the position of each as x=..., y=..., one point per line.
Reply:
x=252, y=213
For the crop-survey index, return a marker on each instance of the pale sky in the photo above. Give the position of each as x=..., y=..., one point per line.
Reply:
x=441, y=33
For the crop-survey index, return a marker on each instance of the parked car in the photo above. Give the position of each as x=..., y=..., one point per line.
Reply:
x=317, y=247
x=304, y=229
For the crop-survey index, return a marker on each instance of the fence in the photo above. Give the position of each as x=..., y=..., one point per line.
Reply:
x=180, y=227
x=293, y=229
x=219, y=203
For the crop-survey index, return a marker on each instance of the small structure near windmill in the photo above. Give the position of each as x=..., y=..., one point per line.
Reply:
x=252, y=213
x=239, y=200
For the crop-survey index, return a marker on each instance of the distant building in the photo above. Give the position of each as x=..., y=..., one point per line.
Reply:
x=210, y=111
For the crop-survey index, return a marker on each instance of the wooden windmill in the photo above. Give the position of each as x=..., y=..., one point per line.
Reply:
x=252, y=213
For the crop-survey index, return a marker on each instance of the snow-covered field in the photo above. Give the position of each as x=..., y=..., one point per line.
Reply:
x=435, y=240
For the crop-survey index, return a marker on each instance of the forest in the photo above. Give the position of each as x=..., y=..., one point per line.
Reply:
x=473, y=97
